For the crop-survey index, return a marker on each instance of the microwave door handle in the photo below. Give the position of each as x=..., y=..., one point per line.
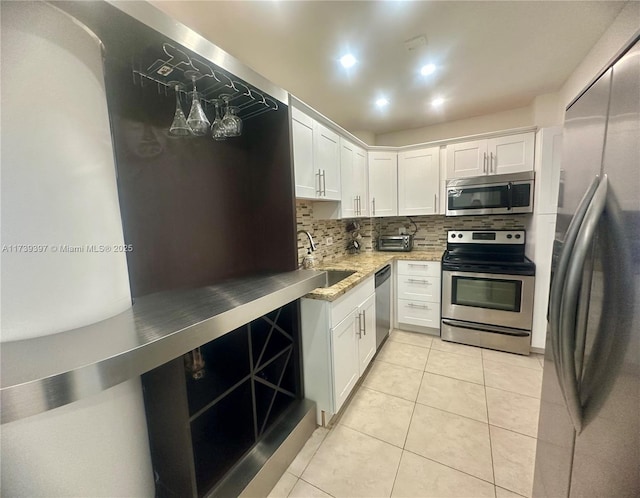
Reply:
x=510, y=195
x=570, y=302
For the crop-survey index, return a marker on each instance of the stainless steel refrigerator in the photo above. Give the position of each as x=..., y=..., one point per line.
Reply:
x=589, y=428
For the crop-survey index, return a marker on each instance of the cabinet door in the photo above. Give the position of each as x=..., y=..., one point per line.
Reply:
x=326, y=159
x=344, y=349
x=418, y=181
x=302, y=137
x=467, y=159
x=383, y=183
x=347, y=176
x=367, y=333
x=511, y=154
x=361, y=181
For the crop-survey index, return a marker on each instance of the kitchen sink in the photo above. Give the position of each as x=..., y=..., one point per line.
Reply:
x=335, y=276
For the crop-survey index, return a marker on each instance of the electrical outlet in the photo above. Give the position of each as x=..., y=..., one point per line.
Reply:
x=402, y=231
x=329, y=241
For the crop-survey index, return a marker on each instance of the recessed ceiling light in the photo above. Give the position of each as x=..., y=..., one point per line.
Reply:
x=381, y=102
x=347, y=60
x=428, y=69
x=437, y=102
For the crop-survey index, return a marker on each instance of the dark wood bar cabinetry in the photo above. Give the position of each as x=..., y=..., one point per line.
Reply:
x=199, y=428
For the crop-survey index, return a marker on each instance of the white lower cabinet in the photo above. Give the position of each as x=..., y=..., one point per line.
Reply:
x=418, y=296
x=338, y=343
x=344, y=356
x=366, y=332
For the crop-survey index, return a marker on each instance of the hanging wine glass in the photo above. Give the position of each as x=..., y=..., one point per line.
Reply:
x=197, y=119
x=179, y=127
x=217, y=128
x=231, y=122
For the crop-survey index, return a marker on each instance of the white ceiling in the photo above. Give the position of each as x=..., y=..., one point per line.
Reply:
x=491, y=56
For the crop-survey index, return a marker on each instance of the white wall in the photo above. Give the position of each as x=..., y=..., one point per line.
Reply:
x=621, y=31
x=59, y=187
x=514, y=118
x=547, y=110
x=367, y=137
x=97, y=446
x=58, y=178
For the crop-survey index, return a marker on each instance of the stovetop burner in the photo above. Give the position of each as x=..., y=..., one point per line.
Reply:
x=487, y=251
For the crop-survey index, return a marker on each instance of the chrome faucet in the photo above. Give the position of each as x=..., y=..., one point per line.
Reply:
x=312, y=244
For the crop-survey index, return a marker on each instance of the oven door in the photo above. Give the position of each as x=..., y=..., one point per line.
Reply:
x=486, y=298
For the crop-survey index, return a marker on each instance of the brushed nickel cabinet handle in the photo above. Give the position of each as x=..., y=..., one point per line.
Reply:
x=419, y=306
x=484, y=163
x=491, y=164
x=417, y=281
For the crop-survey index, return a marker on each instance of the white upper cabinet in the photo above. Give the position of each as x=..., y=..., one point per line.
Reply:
x=305, y=174
x=326, y=156
x=418, y=181
x=316, y=158
x=508, y=154
x=383, y=183
x=467, y=159
x=353, y=172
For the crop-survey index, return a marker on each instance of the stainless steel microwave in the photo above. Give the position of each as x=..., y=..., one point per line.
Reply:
x=491, y=194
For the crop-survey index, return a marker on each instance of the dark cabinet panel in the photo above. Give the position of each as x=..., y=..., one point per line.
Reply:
x=221, y=436
x=226, y=364
x=200, y=428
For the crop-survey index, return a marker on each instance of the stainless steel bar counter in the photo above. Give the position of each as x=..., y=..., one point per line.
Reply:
x=47, y=372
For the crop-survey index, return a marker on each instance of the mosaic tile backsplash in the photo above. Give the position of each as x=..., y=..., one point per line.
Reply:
x=431, y=234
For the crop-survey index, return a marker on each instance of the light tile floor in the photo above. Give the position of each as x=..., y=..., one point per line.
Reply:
x=429, y=419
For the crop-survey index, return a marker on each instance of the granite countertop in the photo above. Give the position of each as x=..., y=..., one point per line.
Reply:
x=364, y=265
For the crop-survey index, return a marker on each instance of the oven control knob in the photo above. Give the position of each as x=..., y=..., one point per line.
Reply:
x=459, y=235
x=517, y=236
x=453, y=235
x=509, y=236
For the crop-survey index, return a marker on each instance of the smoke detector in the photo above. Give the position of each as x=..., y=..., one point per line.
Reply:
x=415, y=43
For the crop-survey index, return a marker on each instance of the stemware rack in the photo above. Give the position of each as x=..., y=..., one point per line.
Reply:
x=176, y=68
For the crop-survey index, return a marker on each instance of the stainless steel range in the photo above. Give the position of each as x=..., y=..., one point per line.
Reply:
x=487, y=290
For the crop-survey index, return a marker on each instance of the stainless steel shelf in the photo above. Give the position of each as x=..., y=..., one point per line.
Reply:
x=47, y=372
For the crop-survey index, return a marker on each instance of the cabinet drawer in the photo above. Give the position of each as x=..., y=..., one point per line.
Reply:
x=419, y=288
x=351, y=300
x=419, y=268
x=419, y=313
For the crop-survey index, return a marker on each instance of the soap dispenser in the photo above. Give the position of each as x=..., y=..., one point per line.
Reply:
x=309, y=261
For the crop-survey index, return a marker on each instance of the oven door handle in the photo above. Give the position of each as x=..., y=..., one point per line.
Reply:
x=486, y=328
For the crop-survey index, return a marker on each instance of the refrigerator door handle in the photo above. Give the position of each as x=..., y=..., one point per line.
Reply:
x=611, y=341
x=569, y=304
x=557, y=285
x=555, y=294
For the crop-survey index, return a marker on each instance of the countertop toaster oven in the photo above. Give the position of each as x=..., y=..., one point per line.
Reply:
x=400, y=243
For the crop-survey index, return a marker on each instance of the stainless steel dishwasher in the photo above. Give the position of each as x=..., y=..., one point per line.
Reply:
x=383, y=305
